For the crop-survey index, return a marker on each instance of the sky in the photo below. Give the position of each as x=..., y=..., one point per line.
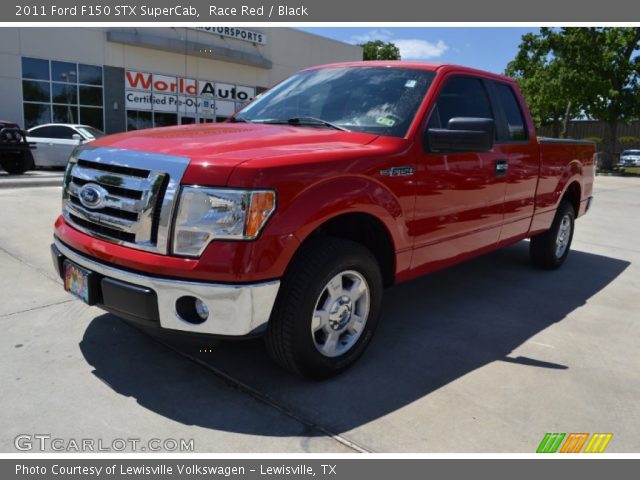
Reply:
x=487, y=48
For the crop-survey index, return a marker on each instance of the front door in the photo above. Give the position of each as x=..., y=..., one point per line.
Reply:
x=459, y=199
x=54, y=144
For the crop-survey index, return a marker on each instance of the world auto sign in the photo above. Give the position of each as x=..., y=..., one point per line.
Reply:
x=184, y=96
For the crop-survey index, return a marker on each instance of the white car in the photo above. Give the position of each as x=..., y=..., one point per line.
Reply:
x=630, y=158
x=55, y=142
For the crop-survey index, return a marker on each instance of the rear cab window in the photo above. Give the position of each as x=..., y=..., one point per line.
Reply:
x=512, y=127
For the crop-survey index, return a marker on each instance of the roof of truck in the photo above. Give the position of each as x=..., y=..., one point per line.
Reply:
x=416, y=65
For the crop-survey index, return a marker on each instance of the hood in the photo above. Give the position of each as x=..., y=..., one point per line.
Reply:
x=216, y=149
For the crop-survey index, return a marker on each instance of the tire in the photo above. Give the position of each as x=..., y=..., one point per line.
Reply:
x=15, y=164
x=327, y=309
x=550, y=249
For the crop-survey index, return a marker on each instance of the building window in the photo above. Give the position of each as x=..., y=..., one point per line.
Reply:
x=90, y=74
x=65, y=114
x=62, y=92
x=91, y=116
x=91, y=96
x=37, y=113
x=162, y=119
x=139, y=119
x=36, y=91
x=35, y=68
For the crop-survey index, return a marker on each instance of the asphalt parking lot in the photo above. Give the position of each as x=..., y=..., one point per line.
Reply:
x=487, y=356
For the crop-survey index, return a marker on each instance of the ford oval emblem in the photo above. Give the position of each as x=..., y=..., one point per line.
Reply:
x=92, y=195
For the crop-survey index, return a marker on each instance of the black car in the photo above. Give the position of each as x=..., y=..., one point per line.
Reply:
x=15, y=151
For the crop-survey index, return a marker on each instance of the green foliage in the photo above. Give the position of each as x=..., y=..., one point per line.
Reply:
x=593, y=71
x=379, y=50
x=544, y=81
x=597, y=140
x=627, y=139
x=605, y=67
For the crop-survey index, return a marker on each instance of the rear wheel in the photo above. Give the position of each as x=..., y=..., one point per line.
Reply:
x=327, y=309
x=550, y=249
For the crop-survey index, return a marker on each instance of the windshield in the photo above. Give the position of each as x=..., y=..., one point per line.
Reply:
x=377, y=100
x=91, y=132
x=631, y=152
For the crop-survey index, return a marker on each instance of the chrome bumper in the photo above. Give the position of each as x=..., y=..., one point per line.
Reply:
x=234, y=310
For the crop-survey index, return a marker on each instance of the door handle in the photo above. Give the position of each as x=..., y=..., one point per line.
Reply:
x=502, y=167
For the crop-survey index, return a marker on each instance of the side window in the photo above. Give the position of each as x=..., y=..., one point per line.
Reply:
x=461, y=97
x=516, y=127
x=61, y=132
x=42, y=132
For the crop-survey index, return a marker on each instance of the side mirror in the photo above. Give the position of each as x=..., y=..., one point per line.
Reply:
x=463, y=134
x=77, y=137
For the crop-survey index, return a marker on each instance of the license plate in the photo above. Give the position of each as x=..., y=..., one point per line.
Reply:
x=76, y=281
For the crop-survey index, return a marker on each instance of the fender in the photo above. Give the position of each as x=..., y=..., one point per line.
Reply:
x=330, y=198
x=551, y=190
x=312, y=207
x=571, y=174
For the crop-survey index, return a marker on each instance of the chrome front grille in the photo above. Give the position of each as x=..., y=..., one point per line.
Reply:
x=136, y=190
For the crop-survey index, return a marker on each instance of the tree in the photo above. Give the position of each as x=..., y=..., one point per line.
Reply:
x=378, y=50
x=545, y=83
x=598, y=68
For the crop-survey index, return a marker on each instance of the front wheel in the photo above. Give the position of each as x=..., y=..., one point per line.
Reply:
x=549, y=250
x=327, y=309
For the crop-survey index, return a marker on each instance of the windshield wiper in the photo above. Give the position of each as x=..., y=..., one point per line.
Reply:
x=314, y=121
x=295, y=121
x=240, y=119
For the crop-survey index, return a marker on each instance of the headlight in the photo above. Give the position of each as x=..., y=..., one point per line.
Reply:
x=206, y=214
x=73, y=159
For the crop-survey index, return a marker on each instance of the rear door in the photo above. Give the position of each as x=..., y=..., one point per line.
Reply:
x=43, y=153
x=459, y=195
x=517, y=147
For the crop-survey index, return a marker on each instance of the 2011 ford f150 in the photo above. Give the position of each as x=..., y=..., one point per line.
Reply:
x=289, y=220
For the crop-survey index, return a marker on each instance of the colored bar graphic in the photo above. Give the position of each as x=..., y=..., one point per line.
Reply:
x=574, y=442
x=598, y=443
x=550, y=443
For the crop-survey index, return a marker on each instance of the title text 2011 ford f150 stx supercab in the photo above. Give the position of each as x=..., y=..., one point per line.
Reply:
x=289, y=220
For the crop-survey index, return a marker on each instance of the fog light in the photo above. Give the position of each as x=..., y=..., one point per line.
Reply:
x=192, y=309
x=201, y=309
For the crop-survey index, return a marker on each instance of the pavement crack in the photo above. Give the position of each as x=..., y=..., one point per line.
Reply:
x=40, y=307
x=268, y=400
x=33, y=267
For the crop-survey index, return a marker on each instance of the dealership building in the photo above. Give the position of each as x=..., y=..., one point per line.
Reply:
x=119, y=79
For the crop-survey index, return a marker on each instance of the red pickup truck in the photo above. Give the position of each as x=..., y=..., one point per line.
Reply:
x=291, y=218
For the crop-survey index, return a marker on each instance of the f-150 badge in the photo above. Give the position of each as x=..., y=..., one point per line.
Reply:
x=398, y=172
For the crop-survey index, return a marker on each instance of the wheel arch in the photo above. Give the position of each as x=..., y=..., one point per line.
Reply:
x=365, y=229
x=573, y=194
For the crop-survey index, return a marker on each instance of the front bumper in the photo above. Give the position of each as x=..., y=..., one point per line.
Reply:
x=234, y=309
